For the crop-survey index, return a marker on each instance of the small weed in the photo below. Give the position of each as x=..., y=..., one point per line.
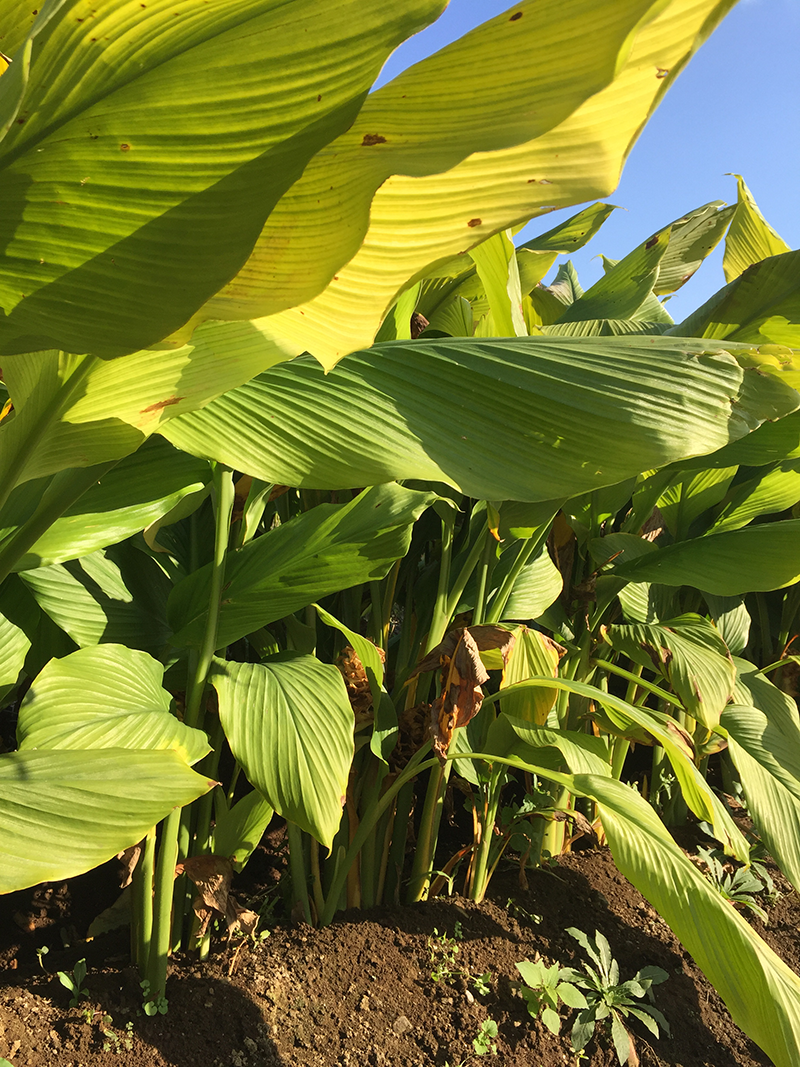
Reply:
x=74, y=981
x=158, y=1005
x=545, y=987
x=443, y=951
x=517, y=910
x=116, y=1042
x=484, y=1041
x=740, y=886
x=40, y=954
x=609, y=1000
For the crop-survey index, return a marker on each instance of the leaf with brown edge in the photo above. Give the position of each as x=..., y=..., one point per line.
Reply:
x=463, y=674
x=486, y=638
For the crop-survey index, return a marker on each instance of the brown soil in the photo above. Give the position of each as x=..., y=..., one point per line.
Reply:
x=361, y=991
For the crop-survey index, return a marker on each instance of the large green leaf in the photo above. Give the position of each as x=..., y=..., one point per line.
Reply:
x=117, y=595
x=19, y=616
x=690, y=494
x=689, y=654
x=760, y=306
x=601, y=67
x=62, y=813
x=750, y=238
x=770, y=492
x=141, y=489
x=760, y=991
x=150, y=144
x=522, y=414
x=106, y=696
x=325, y=550
x=754, y=559
x=764, y=742
x=623, y=288
x=698, y=794
x=290, y=725
x=77, y=411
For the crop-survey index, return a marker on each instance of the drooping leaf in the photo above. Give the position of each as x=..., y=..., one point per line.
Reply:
x=630, y=404
x=140, y=490
x=64, y=812
x=689, y=654
x=108, y=697
x=727, y=564
x=115, y=595
x=698, y=795
x=772, y=491
x=517, y=162
x=147, y=151
x=290, y=725
x=330, y=548
x=238, y=830
x=532, y=655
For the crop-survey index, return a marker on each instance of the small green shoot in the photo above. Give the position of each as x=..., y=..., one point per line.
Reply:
x=481, y=983
x=158, y=1005
x=40, y=954
x=443, y=951
x=609, y=1000
x=484, y=1041
x=739, y=886
x=74, y=981
x=545, y=987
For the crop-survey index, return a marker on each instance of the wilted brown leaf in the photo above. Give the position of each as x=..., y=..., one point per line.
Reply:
x=129, y=858
x=213, y=875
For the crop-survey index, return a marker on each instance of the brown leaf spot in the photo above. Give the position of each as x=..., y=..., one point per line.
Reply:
x=474, y=222
x=124, y=148
x=373, y=138
x=161, y=404
x=662, y=72
x=652, y=242
x=515, y=16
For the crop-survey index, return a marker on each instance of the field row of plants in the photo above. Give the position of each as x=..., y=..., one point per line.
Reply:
x=318, y=498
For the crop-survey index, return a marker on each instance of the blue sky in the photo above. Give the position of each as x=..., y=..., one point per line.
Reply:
x=735, y=108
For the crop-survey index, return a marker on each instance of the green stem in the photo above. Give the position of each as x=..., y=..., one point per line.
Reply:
x=397, y=848
x=224, y=493
x=414, y=767
x=297, y=869
x=162, y=905
x=488, y=556
x=168, y=849
x=464, y=575
x=480, y=870
x=142, y=904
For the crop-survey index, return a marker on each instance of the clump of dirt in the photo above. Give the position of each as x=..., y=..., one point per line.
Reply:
x=393, y=986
